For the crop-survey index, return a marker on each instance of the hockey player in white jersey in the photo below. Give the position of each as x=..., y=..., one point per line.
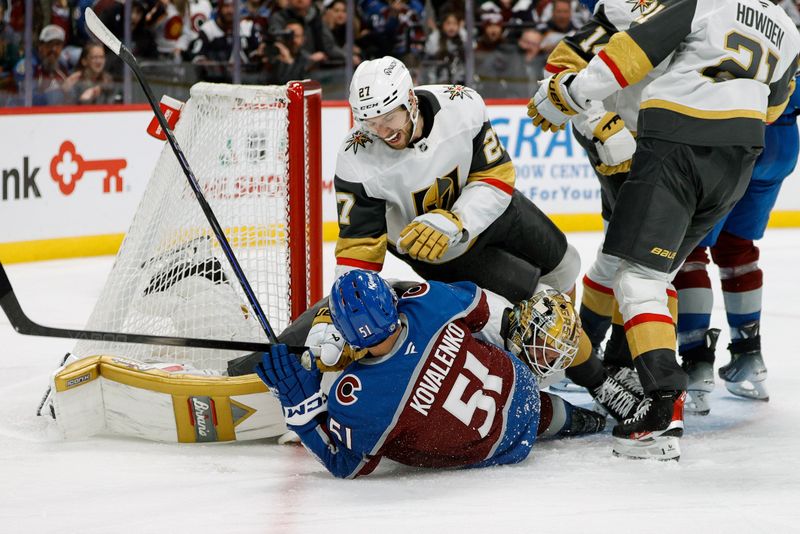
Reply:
x=606, y=131
x=700, y=129
x=423, y=175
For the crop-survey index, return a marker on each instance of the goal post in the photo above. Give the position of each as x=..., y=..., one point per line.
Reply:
x=256, y=153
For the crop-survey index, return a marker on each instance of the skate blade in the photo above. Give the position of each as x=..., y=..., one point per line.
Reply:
x=663, y=448
x=567, y=386
x=749, y=390
x=697, y=403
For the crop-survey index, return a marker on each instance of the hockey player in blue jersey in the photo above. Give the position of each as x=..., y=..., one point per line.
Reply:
x=733, y=251
x=428, y=392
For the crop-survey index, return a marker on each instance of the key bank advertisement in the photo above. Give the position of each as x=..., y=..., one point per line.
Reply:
x=71, y=178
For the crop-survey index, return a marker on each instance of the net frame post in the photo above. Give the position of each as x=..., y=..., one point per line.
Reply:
x=305, y=195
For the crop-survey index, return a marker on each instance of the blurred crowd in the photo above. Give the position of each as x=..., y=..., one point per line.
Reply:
x=282, y=40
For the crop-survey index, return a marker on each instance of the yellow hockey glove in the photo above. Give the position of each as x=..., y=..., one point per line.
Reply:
x=429, y=236
x=614, y=143
x=552, y=105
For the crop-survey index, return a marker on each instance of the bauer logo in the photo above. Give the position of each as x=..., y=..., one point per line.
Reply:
x=204, y=418
x=68, y=167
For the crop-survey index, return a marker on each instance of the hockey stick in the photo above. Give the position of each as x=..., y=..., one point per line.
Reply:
x=24, y=325
x=115, y=45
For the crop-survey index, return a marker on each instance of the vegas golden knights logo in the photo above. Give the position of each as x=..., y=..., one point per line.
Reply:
x=441, y=195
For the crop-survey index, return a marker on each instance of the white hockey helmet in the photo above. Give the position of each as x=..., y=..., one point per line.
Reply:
x=380, y=86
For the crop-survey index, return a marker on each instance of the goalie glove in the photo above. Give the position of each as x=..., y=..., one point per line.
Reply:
x=297, y=389
x=614, y=143
x=552, y=105
x=429, y=235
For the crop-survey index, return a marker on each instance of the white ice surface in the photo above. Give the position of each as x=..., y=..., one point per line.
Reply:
x=740, y=469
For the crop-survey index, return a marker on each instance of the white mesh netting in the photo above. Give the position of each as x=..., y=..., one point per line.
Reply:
x=170, y=276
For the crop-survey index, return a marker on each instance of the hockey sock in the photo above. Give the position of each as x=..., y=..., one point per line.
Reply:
x=741, y=278
x=695, y=300
x=588, y=373
x=617, y=352
x=554, y=416
x=597, y=305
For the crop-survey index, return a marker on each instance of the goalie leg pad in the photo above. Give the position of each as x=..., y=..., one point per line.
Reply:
x=161, y=402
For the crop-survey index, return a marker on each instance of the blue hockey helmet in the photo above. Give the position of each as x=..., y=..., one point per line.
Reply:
x=363, y=308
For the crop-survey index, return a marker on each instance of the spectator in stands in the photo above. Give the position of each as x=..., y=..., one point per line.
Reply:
x=490, y=35
x=143, y=44
x=445, y=46
x=9, y=55
x=511, y=11
x=530, y=47
x=171, y=25
x=335, y=19
x=213, y=49
x=318, y=40
x=288, y=60
x=91, y=84
x=396, y=28
x=47, y=74
x=494, y=59
x=559, y=26
x=257, y=11
x=527, y=65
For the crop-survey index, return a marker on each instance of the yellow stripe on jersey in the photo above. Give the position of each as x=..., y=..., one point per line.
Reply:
x=773, y=112
x=597, y=301
x=502, y=176
x=563, y=57
x=650, y=335
x=628, y=58
x=367, y=249
x=703, y=113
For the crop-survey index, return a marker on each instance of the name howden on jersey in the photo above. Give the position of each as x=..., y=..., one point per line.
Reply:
x=437, y=368
x=760, y=22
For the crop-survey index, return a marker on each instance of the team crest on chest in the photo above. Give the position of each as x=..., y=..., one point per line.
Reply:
x=458, y=91
x=641, y=5
x=346, y=390
x=441, y=194
x=358, y=140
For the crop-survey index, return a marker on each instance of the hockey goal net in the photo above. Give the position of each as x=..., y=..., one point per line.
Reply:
x=255, y=151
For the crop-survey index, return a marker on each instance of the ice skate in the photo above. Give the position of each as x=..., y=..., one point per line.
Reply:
x=698, y=364
x=746, y=373
x=628, y=377
x=583, y=421
x=701, y=384
x=616, y=400
x=655, y=429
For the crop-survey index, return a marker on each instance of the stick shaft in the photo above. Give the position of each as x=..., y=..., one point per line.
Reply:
x=24, y=325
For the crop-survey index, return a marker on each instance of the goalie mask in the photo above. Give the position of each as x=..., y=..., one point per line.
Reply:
x=543, y=331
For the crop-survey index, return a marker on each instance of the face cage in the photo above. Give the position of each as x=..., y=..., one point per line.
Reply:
x=544, y=348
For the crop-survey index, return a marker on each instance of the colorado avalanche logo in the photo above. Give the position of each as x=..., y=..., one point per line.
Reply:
x=641, y=5
x=346, y=390
x=416, y=291
x=356, y=141
x=459, y=91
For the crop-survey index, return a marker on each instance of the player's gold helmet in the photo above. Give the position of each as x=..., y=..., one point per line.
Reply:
x=544, y=331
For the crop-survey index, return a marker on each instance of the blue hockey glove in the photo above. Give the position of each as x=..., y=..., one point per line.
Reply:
x=297, y=388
